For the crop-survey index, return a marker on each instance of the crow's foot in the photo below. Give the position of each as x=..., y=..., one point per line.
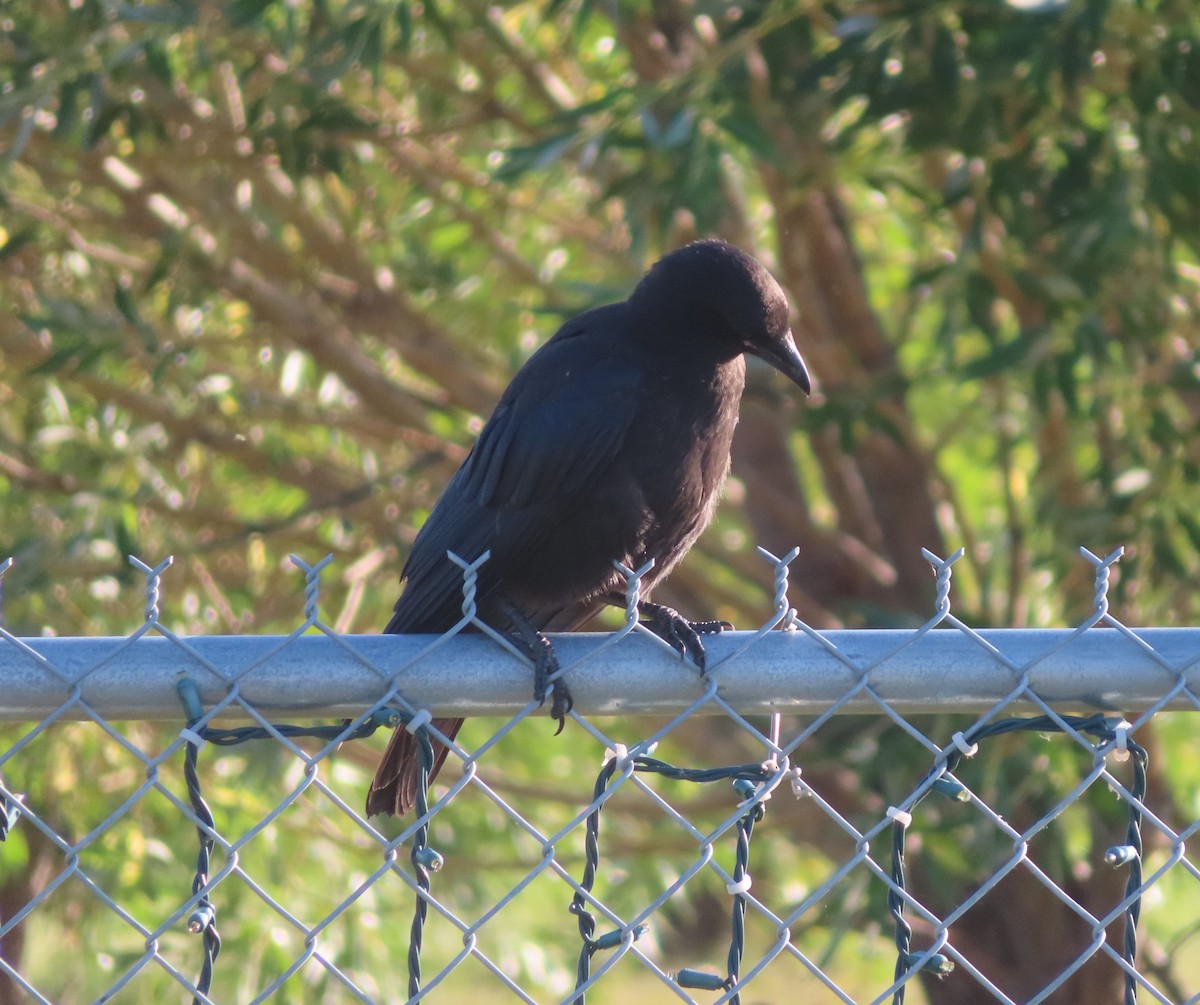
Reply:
x=680, y=634
x=533, y=644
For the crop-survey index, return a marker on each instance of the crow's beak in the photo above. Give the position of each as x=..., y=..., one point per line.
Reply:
x=785, y=357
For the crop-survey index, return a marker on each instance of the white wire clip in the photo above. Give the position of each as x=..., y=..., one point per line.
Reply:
x=902, y=817
x=741, y=886
x=964, y=748
x=189, y=735
x=1120, y=750
x=423, y=718
x=619, y=753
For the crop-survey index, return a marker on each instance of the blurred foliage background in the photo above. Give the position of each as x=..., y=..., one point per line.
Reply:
x=265, y=267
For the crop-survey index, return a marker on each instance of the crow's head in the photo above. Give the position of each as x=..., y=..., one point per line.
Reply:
x=712, y=290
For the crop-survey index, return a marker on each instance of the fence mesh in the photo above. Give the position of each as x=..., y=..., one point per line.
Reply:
x=983, y=776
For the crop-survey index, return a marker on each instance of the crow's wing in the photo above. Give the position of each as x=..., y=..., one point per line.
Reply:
x=558, y=426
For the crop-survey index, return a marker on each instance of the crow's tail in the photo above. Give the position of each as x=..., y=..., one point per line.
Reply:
x=394, y=790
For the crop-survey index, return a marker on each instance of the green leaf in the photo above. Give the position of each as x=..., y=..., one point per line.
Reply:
x=332, y=115
x=534, y=157
x=980, y=298
x=246, y=12
x=449, y=237
x=746, y=129
x=403, y=15
x=157, y=61
x=1064, y=365
x=1006, y=356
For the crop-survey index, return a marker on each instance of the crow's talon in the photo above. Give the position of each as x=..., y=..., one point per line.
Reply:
x=680, y=634
x=561, y=707
x=534, y=645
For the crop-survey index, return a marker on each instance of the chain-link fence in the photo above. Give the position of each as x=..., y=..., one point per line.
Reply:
x=939, y=814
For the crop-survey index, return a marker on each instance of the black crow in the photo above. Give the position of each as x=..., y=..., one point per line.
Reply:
x=610, y=444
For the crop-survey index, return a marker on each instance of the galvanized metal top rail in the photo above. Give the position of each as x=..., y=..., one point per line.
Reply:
x=943, y=665
x=318, y=676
